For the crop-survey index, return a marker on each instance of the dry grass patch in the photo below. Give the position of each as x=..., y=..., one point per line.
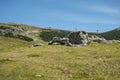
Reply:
x=93, y=62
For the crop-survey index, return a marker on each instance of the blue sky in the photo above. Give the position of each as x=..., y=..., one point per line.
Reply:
x=88, y=15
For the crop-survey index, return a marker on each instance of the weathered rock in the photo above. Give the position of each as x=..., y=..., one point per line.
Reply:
x=114, y=41
x=2, y=32
x=97, y=39
x=35, y=45
x=78, y=38
x=19, y=29
x=59, y=41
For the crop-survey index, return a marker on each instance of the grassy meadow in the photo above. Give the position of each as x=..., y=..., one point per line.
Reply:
x=56, y=62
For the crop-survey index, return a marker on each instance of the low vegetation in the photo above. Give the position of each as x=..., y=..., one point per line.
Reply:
x=48, y=34
x=93, y=62
x=110, y=35
x=9, y=44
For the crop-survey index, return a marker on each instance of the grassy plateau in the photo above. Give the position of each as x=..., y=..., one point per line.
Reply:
x=57, y=62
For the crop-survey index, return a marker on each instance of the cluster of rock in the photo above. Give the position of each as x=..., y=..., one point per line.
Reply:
x=77, y=39
x=19, y=29
x=113, y=41
x=74, y=38
x=59, y=41
x=5, y=29
x=97, y=39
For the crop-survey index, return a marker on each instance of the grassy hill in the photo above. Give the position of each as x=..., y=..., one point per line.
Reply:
x=92, y=62
x=30, y=33
x=9, y=44
x=110, y=35
x=21, y=31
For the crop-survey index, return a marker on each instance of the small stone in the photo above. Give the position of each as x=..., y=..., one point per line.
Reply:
x=38, y=75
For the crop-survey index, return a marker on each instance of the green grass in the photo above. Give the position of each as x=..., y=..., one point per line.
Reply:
x=93, y=62
x=8, y=44
x=11, y=44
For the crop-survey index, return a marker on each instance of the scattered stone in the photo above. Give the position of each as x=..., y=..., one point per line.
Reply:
x=35, y=45
x=38, y=75
x=97, y=39
x=114, y=41
x=6, y=60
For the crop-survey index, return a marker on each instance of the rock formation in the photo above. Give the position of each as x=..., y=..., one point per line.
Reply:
x=10, y=30
x=97, y=39
x=74, y=39
x=57, y=41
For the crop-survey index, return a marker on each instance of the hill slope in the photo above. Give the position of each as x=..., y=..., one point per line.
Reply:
x=8, y=44
x=93, y=62
x=110, y=35
x=30, y=33
x=19, y=31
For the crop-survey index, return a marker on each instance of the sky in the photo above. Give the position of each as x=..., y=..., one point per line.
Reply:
x=87, y=15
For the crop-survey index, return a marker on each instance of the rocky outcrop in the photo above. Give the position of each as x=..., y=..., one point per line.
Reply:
x=74, y=39
x=12, y=30
x=79, y=38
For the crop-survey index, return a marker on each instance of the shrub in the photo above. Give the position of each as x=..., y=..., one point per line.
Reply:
x=47, y=35
x=24, y=38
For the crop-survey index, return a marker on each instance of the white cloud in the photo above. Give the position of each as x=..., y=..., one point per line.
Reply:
x=103, y=14
x=105, y=9
x=96, y=20
x=82, y=18
x=101, y=9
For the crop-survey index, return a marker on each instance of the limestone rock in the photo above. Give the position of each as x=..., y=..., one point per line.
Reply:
x=97, y=39
x=59, y=41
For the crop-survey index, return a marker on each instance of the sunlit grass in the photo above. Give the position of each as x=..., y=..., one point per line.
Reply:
x=93, y=62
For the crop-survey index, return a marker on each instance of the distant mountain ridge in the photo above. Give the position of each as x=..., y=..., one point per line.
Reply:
x=113, y=34
x=31, y=33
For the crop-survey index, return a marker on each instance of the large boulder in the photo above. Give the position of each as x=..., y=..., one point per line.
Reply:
x=78, y=38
